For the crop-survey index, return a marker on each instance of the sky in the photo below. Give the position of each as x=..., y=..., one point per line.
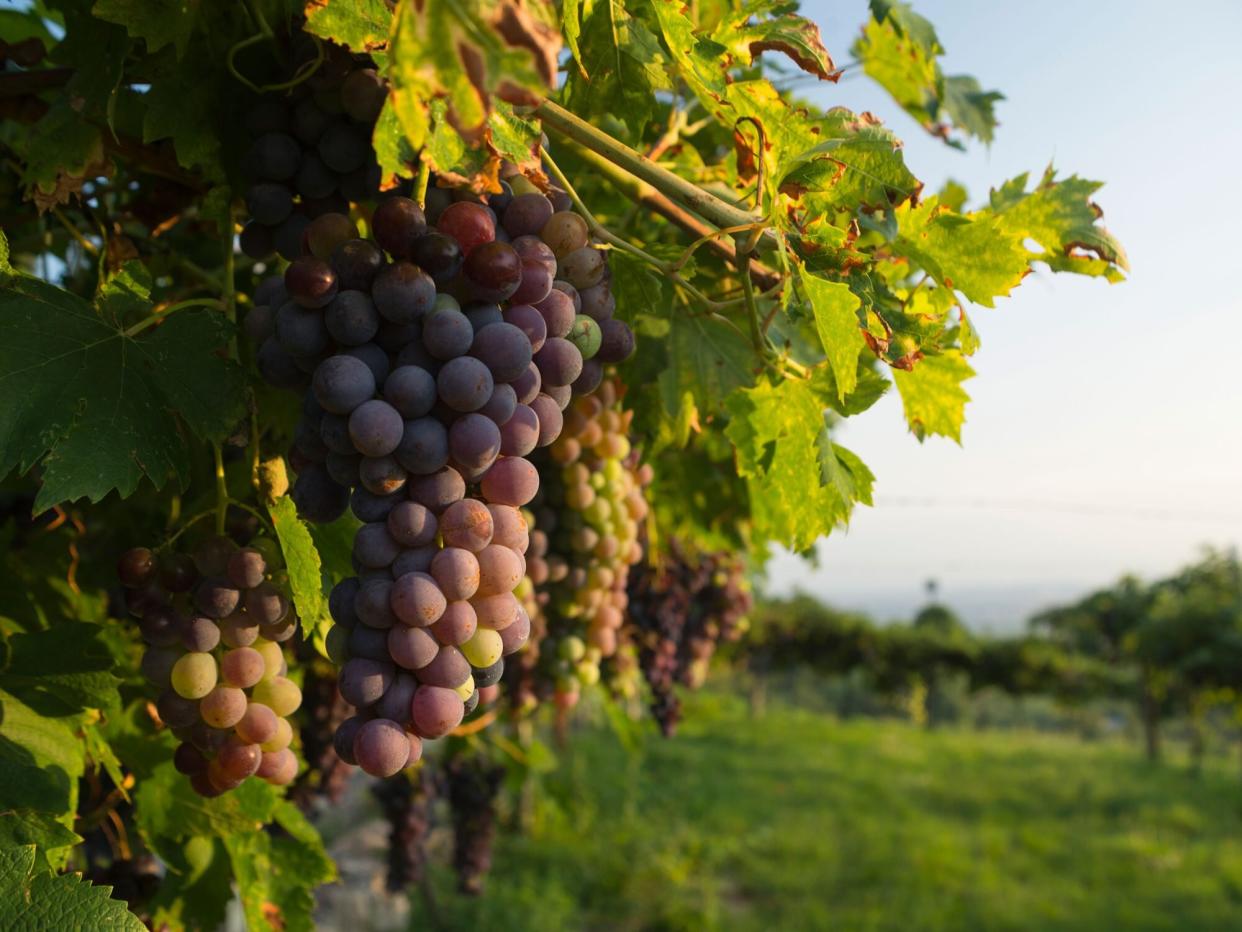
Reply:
x=1105, y=431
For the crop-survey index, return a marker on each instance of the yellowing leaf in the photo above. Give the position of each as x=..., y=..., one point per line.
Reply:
x=933, y=397
x=835, y=309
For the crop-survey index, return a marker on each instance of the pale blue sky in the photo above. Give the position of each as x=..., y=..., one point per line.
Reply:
x=1105, y=434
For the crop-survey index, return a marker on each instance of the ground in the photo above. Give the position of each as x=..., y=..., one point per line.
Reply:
x=798, y=821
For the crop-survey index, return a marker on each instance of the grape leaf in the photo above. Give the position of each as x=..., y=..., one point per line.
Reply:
x=197, y=889
x=393, y=151
x=835, y=309
x=183, y=105
x=60, y=152
x=302, y=563
x=156, y=22
x=776, y=430
x=708, y=360
x=41, y=758
x=39, y=901
x=84, y=392
x=68, y=667
x=167, y=809
x=932, y=395
x=976, y=254
x=747, y=35
x=29, y=827
x=96, y=51
x=571, y=25
x=359, y=25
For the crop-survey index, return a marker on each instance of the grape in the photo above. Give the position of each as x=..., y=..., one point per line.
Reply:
x=509, y=527
x=198, y=634
x=497, y=611
x=278, y=768
x=617, y=342
x=530, y=321
x=438, y=255
x=343, y=468
x=411, y=648
x=494, y=271
x=501, y=199
x=307, y=441
x=416, y=560
x=362, y=184
x=365, y=641
x=279, y=694
x=381, y=747
x=510, y=481
x=309, y=121
x=396, y=224
x=533, y=249
x=464, y=383
x=268, y=114
x=500, y=570
x=416, y=600
x=343, y=740
x=373, y=357
x=283, y=737
x=456, y=572
x=569, y=291
x=527, y=214
x=558, y=313
x=265, y=605
x=157, y=665
x=466, y=524
x=382, y=476
x=516, y=635
x=273, y=658
x=392, y=338
x=474, y=441
x=526, y=386
x=504, y=348
x=223, y=707
x=484, y=649
x=548, y=412
x=238, y=761
x=280, y=631
x=501, y=405
x=447, y=333
x=194, y=675
x=457, y=624
x=189, y=760
x=300, y=331
x=436, y=201
x=585, y=334
x=260, y=322
x=415, y=354
x=246, y=568
x=374, y=604
x=287, y=238
x=403, y=292
x=471, y=225
x=315, y=180
x=395, y=703
x=491, y=674
x=275, y=157
x=564, y=232
x=269, y=203
x=561, y=394
x=374, y=547
x=589, y=380
x=317, y=497
x=175, y=711
x=412, y=525
x=582, y=268
x=520, y=434
x=351, y=318
x=311, y=283
x=376, y=428
x=448, y=669
x=438, y=490
x=598, y=302
x=363, y=95
x=436, y=711
x=343, y=148
x=559, y=362
x=341, y=601
x=216, y=597
x=472, y=702
x=242, y=667
x=369, y=506
x=257, y=241
x=482, y=313
x=356, y=263
x=277, y=367
x=342, y=383
x=239, y=630
x=536, y=283
x=136, y=567
x=424, y=446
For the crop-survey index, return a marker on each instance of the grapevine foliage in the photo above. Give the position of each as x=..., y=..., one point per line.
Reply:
x=745, y=271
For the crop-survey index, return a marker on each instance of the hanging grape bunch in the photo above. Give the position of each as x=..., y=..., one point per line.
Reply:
x=586, y=539
x=214, y=623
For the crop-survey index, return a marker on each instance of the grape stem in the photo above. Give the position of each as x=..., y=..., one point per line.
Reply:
x=154, y=319
x=222, y=489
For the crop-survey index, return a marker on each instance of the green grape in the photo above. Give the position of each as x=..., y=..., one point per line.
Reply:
x=279, y=694
x=194, y=675
x=571, y=648
x=466, y=688
x=483, y=649
x=273, y=657
x=284, y=736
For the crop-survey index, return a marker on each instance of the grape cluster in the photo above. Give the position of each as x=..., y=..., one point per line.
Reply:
x=473, y=785
x=406, y=804
x=679, y=611
x=587, y=522
x=214, y=622
x=311, y=152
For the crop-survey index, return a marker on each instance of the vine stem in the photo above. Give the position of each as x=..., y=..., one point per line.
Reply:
x=154, y=319
x=695, y=198
x=222, y=489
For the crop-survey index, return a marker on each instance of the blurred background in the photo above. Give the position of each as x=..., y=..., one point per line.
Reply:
x=1010, y=704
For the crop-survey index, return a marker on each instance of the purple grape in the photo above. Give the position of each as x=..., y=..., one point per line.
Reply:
x=343, y=740
x=374, y=546
x=395, y=704
x=372, y=604
x=505, y=349
x=269, y=203
x=376, y=428
x=411, y=648
x=527, y=214
x=447, y=333
x=424, y=446
x=570, y=291
x=527, y=385
x=342, y=383
x=449, y=669
x=438, y=490
x=528, y=319
x=275, y=157
x=533, y=249
x=511, y=481
x=474, y=441
x=362, y=681
x=356, y=262
x=438, y=255
x=365, y=641
x=315, y=180
x=520, y=434
x=494, y=271
x=351, y=318
x=369, y=506
x=375, y=358
x=414, y=560
x=334, y=432
x=550, y=419
x=558, y=313
x=397, y=223
x=343, y=147
x=561, y=394
x=341, y=601
x=589, y=380
x=412, y=525
x=482, y=313
x=456, y=572
x=411, y=390
x=583, y=267
x=471, y=225
x=403, y=292
x=300, y=330
x=465, y=383
x=310, y=282
x=616, y=341
x=500, y=405
x=416, y=599
x=559, y=362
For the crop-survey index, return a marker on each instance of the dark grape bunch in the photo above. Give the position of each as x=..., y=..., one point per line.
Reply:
x=473, y=785
x=214, y=622
x=587, y=521
x=311, y=152
x=679, y=611
x=406, y=802
x=323, y=710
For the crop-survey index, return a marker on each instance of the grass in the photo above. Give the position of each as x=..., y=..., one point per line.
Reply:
x=796, y=821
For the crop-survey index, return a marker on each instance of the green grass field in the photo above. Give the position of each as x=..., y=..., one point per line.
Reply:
x=796, y=821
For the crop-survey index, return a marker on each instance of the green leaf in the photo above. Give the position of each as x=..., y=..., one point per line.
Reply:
x=41, y=758
x=835, y=309
x=39, y=901
x=571, y=24
x=197, y=889
x=393, y=151
x=748, y=35
x=975, y=254
x=60, y=152
x=932, y=395
x=302, y=563
x=167, y=809
x=708, y=359
x=28, y=827
x=360, y=25
x=156, y=22
x=182, y=105
x=68, y=668
x=100, y=409
x=800, y=487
